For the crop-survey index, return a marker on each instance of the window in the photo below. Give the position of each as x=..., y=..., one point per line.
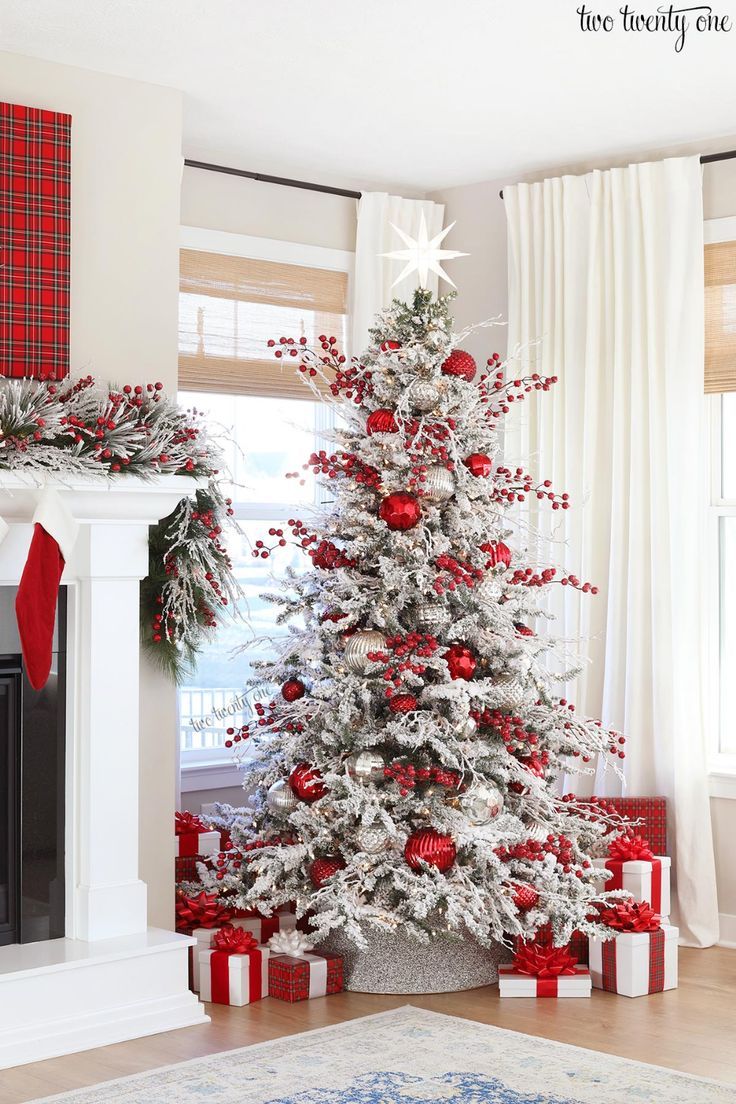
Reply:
x=235, y=294
x=720, y=385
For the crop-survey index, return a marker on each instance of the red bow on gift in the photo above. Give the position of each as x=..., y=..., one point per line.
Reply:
x=543, y=961
x=629, y=916
x=234, y=940
x=188, y=822
x=202, y=911
x=626, y=848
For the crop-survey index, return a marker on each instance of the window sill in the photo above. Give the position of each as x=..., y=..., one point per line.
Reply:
x=722, y=777
x=210, y=776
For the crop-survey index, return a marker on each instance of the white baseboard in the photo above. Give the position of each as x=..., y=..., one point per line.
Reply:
x=728, y=930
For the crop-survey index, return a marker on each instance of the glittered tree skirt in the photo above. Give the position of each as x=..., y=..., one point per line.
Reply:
x=396, y=963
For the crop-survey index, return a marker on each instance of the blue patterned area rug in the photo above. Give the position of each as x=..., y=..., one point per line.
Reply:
x=407, y=1056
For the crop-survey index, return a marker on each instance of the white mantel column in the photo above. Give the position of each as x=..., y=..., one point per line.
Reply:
x=110, y=559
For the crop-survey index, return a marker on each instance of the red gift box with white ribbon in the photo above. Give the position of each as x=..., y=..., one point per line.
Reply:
x=234, y=970
x=641, y=959
x=634, y=868
x=541, y=970
x=193, y=837
x=296, y=972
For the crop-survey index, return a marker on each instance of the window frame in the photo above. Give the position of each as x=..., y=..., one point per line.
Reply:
x=214, y=768
x=721, y=764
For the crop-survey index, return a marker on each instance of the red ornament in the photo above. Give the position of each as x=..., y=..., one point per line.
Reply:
x=460, y=661
x=478, y=464
x=431, y=846
x=323, y=869
x=524, y=897
x=400, y=510
x=389, y=346
x=402, y=703
x=459, y=363
x=523, y=630
x=498, y=553
x=381, y=421
x=307, y=783
x=293, y=689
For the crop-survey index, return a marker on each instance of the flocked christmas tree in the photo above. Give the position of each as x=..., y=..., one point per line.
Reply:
x=408, y=749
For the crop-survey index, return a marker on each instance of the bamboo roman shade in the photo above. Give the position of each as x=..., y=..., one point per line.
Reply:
x=229, y=307
x=720, y=317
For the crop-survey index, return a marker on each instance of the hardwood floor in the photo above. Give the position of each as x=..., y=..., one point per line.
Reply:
x=692, y=1028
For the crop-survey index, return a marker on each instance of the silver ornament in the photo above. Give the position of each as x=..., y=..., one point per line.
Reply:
x=358, y=646
x=481, y=802
x=281, y=798
x=489, y=589
x=366, y=765
x=438, y=484
x=508, y=692
x=372, y=840
x=424, y=395
x=430, y=616
x=467, y=729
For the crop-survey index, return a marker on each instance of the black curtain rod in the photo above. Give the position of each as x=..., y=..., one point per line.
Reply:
x=706, y=159
x=272, y=179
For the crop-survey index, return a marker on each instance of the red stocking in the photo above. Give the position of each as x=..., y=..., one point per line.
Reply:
x=35, y=604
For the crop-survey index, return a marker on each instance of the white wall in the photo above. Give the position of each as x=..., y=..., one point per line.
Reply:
x=482, y=287
x=126, y=174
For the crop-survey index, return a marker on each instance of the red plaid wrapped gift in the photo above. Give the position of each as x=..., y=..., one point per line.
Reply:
x=635, y=868
x=193, y=838
x=642, y=959
x=541, y=970
x=296, y=972
x=35, y=175
x=185, y=868
x=578, y=946
x=234, y=970
x=652, y=811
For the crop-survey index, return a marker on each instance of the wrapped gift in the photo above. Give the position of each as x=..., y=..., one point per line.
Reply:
x=185, y=868
x=641, y=959
x=234, y=970
x=636, y=869
x=578, y=946
x=541, y=970
x=296, y=972
x=652, y=811
x=193, y=837
x=200, y=916
x=263, y=927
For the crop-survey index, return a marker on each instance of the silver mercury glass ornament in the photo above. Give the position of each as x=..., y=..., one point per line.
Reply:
x=467, y=729
x=481, y=802
x=281, y=798
x=438, y=484
x=509, y=693
x=489, y=589
x=430, y=616
x=358, y=646
x=366, y=765
x=372, y=840
x=424, y=395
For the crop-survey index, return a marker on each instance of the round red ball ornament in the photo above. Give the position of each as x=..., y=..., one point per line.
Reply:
x=460, y=661
x=479, y=464
x=307, y=783
x=433, y=847
x=459, y=363
x=381, y=421
x=400, y=510
x=323, y=869
x=293, y=689
x=524, y=896
x=389, y=346
x=402, y=703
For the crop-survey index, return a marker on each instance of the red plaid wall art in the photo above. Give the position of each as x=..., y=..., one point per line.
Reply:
x=35, y=149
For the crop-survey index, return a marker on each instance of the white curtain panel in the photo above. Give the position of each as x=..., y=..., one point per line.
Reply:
x=374, y=274
x=606, y=292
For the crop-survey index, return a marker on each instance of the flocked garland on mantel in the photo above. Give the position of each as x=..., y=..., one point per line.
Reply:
x=82, y=429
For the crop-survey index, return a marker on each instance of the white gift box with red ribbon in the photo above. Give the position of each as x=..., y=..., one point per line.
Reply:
x=227, y=977
x=513, y=983
x=205, y=938
x=263, y=927
x=189, y=844
x=645, y=879
x=635, y=964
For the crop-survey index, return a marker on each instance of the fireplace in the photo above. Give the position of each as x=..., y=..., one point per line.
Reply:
x=32, y=784
x=79, y=966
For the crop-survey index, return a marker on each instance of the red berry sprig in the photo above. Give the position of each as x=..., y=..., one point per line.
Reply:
x=514, y=486
x=498, y=393
x=454, y=573
x=408, y=776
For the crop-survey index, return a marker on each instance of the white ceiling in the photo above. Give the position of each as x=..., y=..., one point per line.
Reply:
x=417, y=94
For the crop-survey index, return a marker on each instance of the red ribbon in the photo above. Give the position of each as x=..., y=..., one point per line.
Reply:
x=629, y=916
x=547, y=987
x=231, y=941
x=616, y=866
x=202, y=911
x=544, y=962
x=188, y=822
x=627, y=848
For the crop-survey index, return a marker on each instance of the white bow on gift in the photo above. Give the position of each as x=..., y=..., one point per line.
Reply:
x=294, y=943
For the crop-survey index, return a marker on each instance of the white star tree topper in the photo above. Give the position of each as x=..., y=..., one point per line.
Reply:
x=423, y=254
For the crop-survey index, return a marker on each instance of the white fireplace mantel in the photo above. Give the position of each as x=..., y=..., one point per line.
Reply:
x=111, y=978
